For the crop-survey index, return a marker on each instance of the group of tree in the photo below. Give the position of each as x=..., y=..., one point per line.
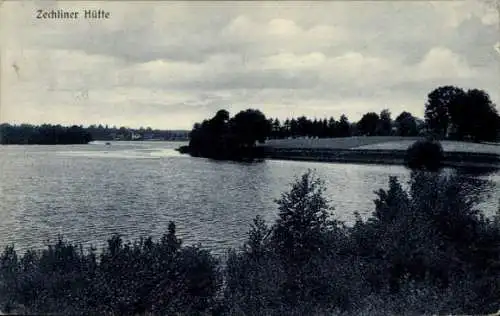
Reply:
x=43, y=135
x=124, y=279
x=370, y=124
x=223, y=137
x=451, y=112
x=100, y=132
x=303, y=126
x=218, y=134
x=424, y=250
x=48, y=134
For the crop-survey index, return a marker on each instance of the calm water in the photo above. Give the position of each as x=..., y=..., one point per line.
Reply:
x=87, y=193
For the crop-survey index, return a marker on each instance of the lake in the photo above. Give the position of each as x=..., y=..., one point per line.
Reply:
x=88, y=192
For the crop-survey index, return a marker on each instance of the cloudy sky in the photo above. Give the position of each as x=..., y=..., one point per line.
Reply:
x=169, y=64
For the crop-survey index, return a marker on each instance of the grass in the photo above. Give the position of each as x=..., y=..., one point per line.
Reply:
x=448, y=146
x=379, y=142
x=336, y=143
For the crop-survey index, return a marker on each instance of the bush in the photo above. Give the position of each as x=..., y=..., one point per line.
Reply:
x=303, y=220
x=424, y=250
x=424, y=155
x=130, y=278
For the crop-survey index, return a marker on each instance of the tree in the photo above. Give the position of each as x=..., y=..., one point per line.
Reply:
x=437, y=108
x=368, y=124
x=256, y=244
x=303, y=217
x=276, y=128
x=406, y=124
x=332, y=127
x=208, y=138
x=250, y=126
x=474, y=117
x=324, y=128
x=424, y=155
x=170, y=240
x=294, y=128
x=222, y=137
x=221, y=116
x=343, y=127
x=316, y=128
x=452, y=112
x=287, y=128
x=303, y=126
x=385, y=123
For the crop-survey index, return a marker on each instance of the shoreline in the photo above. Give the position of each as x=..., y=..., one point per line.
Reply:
x=454, y=159
x=378, y=156
x=385, y=150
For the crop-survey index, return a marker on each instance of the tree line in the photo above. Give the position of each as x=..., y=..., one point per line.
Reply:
x=100, y=132
x=371, y=124
x=450, y=113
x=48, y=134
x=45, y=134
x=406, y=258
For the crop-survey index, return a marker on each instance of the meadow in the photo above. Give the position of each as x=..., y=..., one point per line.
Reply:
x=378, y=142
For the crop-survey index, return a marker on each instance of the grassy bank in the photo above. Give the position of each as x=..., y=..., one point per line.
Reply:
x=378, y=142
x=380, y=156
x=424, y=250
x=335, y=143
x=370, y=150
x=379, y=150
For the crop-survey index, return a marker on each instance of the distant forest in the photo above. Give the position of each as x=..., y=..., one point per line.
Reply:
x=47, y=134
x=43, y=135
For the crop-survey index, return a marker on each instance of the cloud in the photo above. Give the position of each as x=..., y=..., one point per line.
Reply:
x=171, y=64
x=441, y=62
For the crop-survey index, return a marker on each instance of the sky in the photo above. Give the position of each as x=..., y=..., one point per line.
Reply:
x=168, y=64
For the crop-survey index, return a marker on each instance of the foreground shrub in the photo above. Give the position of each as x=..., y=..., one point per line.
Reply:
x=424, y=250
x=296, y=266
x=144, y=277
x=424, y=155
x=433, y=235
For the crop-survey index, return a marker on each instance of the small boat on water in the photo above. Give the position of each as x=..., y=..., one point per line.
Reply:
x=108, y=144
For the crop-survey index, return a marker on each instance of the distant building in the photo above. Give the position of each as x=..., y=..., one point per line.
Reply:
x=135, y=136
